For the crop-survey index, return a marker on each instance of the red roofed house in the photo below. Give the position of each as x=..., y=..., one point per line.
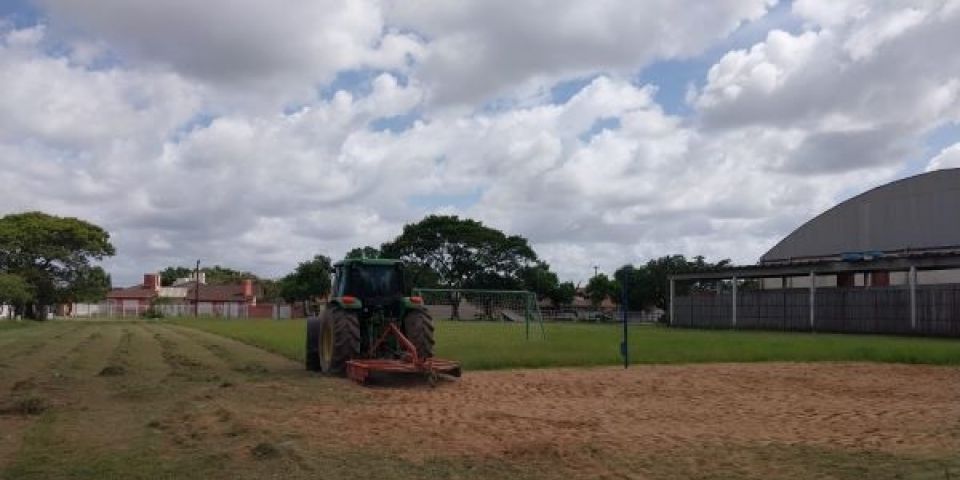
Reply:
x=222, y=300
x=134, y=300
x=183, y=297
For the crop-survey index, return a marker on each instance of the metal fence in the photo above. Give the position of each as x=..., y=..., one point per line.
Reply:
x=599, y=316
x=936, y=310
x=226, y=310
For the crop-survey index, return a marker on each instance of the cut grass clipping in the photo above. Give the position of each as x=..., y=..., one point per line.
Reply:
x=490, y=346
x=28, y=405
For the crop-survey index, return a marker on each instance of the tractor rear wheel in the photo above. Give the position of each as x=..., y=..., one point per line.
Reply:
x=312, y=360
x=339, y=340
x=418, y=327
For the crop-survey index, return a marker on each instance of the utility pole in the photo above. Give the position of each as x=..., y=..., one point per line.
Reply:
x=595, y=268
x=196, y=291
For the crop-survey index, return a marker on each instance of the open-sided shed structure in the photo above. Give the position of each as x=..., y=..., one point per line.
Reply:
x=886, y=261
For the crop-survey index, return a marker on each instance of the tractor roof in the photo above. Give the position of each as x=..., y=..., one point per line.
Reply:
x=368, y=261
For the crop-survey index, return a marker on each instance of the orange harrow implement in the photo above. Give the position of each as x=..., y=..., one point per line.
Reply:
x=359, y=370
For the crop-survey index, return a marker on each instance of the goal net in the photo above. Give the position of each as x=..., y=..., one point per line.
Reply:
x=514, y=307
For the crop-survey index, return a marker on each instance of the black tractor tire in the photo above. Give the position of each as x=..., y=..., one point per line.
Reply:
x=343, y=328
x=418, y=327
x=312, y=358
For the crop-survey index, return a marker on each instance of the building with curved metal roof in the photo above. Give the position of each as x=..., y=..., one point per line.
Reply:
x=885, y=261
x=913, y=215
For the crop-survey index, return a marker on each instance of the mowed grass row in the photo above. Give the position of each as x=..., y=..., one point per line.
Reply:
x=490, y=346
x=15, y=324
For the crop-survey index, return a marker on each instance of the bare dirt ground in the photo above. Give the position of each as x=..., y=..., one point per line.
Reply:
x=151, y=400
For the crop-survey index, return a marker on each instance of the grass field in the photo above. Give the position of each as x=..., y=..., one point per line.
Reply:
x=13, y=325
x=493, y=346
x=147, y=399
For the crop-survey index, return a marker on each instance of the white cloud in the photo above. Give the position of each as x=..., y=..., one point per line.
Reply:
x=48, y=100
x=484, y=48
x=855, y=86
x=650, y=187
x=947, y=158
x=760, y=71
x=862, y=72
x=249, y=50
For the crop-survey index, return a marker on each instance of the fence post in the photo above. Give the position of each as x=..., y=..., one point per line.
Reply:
x=733, y=320
x=526, y=313
x=672, y=296
x=625, y=347
x=912, y=280
x=813, y=299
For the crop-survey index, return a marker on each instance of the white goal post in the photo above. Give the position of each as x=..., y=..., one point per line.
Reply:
x=508, y=306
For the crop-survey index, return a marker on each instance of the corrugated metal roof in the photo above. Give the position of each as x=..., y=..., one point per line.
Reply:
x=910, y=215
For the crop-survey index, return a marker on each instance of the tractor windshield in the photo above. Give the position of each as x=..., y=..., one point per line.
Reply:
x=376, y=281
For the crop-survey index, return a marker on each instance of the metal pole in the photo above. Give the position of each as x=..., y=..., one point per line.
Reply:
x=912, y=280
x=196, y=291
x=526, y=314
x=672, y=295
x=734, y=319
x=813, y=297
x=625, y=349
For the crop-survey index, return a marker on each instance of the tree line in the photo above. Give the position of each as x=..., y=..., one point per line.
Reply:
x=46, y=260
x=647, y=286
x=445, y=251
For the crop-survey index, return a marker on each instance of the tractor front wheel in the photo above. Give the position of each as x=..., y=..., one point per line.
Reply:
x=418, y=327
x=339, y=340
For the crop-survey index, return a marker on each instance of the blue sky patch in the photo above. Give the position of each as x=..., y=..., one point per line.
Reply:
x=938, y=139
x=358, y=83
x=197, y=122
x=599, y=125
x=20, y=13
x=672, y=78
x=562, y=92
x=395, y=124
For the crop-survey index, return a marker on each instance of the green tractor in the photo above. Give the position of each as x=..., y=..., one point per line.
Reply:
x=372, y=324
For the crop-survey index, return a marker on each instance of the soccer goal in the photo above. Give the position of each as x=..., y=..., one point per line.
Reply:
x=517, y=307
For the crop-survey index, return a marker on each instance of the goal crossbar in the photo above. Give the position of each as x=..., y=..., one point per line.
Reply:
x=519, y=303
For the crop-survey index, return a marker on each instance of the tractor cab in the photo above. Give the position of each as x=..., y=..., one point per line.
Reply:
x=376, y=284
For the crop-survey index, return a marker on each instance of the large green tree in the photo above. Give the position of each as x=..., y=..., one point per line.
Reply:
x=599, y=288
x=270, y=290
x=563, y=295
x=311, y=279
x=170, y=275
x=545, y=283
x=14, y=290
x=54, y=256
x=215, y=275
x=461, y=253
x=539, y=279
x=648, y=285
x=364, y=252
x=88, y=285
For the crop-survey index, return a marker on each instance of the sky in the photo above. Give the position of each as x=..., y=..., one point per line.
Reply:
x=257, y=134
